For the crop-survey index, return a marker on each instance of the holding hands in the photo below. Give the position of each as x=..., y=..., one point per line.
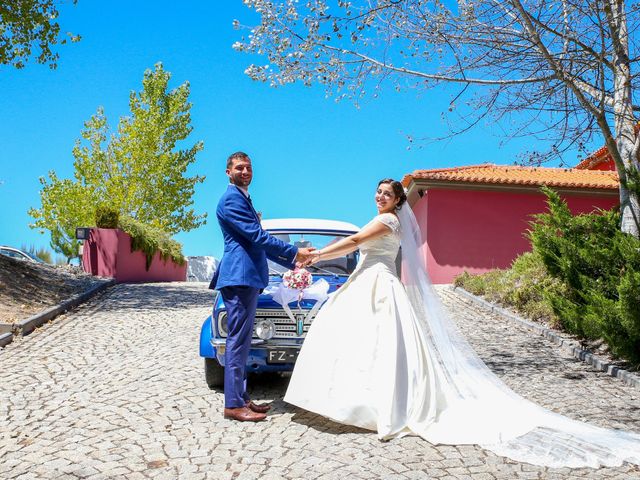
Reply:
x=313, y=258
x=306, y=256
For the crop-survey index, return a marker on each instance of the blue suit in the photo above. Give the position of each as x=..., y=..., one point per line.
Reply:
x=240, y=277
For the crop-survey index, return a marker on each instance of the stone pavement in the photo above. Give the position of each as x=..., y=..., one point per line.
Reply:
x=115, y=389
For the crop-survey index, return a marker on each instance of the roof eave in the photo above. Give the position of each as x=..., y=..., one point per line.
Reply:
x=417, y=186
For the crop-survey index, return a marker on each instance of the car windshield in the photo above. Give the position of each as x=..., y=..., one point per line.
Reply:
x=339, y=266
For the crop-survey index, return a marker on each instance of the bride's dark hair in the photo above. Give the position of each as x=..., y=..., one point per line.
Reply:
x=398, y=190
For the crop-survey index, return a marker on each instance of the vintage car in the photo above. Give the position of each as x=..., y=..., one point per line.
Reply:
x=277, y=337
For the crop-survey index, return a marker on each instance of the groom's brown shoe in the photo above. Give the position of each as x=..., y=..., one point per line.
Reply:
x=243, y=414
x=258, y=407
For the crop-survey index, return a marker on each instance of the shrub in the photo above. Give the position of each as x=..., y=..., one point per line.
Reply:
x=107, y=217
x=144, y=238
x=599, y=267
x=583, y=276
x=150, y=240
x=526, y=285
x=522, y=287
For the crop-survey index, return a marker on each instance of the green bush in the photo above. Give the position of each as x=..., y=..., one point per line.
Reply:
x=583, y=276
x=107, y=217
x=144, y=238
x=522, y=287
x=600, y=269
x=527, y=285
x=150, y=240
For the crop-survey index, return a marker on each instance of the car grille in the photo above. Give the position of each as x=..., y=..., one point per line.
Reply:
x=285, y=327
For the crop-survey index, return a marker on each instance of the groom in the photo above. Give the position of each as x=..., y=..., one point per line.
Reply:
x=242, y=274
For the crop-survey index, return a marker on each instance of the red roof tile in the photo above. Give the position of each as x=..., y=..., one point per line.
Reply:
x=515, y=175
x=596, y=158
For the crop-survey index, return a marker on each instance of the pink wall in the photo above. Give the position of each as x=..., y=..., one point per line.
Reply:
x=608, y=165
x=107, y=253
x=477, y=230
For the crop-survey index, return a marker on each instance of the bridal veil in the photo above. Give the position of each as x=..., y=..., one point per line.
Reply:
x=473, y=406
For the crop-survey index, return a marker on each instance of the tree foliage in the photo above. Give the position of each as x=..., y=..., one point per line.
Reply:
x=150, y=240
x=600, y=268
x=582, y=276
x=559, y=71
x=140, y=171
x=29, y=28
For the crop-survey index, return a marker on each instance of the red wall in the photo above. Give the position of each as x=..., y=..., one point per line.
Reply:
x=107, y=253
x=608, y=165
x=477, y=231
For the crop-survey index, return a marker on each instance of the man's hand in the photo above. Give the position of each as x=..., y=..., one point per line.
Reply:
x=304, y=256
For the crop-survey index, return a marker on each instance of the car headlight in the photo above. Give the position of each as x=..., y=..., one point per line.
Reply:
x=222, y=324
x=265, y=329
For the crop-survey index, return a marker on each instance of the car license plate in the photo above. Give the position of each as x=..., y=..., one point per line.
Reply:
x=282, y=355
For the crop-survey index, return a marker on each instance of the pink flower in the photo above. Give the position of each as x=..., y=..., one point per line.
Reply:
x=297, y=279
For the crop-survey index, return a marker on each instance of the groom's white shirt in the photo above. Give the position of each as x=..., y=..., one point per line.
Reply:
x=243, y=190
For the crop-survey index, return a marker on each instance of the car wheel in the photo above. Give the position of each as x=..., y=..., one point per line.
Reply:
x=213, y=373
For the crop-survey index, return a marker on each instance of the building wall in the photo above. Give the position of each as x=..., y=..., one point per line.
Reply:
x=107, y=253
x=477, y=231
x=608, y=165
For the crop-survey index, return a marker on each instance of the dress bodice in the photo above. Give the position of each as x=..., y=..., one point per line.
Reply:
x=382, y=250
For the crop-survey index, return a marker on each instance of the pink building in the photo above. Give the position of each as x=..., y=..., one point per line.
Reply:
x=475, y=218
x=598, y=160
x=107, y=253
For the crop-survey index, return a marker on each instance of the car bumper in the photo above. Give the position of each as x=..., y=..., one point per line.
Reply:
x=258, y=359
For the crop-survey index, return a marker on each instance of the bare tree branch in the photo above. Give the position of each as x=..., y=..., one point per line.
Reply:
x=560, y=71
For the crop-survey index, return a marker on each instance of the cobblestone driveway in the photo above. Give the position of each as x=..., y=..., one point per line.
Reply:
x=116, y=390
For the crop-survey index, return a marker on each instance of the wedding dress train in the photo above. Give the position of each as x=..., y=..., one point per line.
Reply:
x=385, y=356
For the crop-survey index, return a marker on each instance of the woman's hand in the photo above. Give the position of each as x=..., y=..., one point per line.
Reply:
x=314, y=257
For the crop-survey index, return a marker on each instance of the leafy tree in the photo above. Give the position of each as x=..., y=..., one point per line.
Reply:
x=600, y=269
x=66, y=204
x=140, y=171
x=555, y=70
x=30, y=28
x=583, y=276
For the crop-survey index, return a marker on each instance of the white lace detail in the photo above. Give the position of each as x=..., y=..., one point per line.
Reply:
x=390, y=220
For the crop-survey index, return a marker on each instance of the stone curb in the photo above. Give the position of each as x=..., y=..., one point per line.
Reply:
x=28, y=325
x=627, y=377
x=6, y=339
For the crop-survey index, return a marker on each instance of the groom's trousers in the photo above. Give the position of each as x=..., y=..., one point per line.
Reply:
x=241, y=303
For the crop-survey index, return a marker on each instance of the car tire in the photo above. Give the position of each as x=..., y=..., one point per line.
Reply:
x=213, y=373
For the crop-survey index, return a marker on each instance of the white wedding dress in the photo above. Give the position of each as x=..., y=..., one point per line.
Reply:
x=383, y=355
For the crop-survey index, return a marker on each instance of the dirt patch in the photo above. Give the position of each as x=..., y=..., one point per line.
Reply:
x=27, y=288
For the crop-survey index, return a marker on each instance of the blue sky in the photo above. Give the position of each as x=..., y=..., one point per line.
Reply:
x=312, y=157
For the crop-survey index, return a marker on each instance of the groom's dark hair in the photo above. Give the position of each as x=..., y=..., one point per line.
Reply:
x=236, y=155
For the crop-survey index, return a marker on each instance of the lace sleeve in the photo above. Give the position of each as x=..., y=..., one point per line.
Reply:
x=390, y=220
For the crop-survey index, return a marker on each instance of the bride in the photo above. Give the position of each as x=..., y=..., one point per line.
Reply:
x=399, y=366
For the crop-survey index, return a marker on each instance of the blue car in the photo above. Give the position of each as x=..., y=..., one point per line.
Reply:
x=278, y=334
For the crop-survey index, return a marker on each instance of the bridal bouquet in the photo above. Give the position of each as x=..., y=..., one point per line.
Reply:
x=297, y=279
x=297, y=285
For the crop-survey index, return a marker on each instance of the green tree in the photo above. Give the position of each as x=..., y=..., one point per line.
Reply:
x=600, y=269
x=139, y=171
x=66, y=204
x=30, y=28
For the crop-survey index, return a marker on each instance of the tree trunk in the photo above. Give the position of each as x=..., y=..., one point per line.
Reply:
x=629, y=204
x=625, y=123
